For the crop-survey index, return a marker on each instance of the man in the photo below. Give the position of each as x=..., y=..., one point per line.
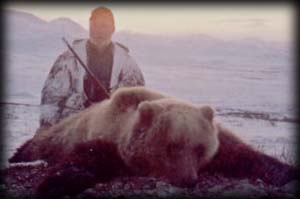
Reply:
x=69, y=89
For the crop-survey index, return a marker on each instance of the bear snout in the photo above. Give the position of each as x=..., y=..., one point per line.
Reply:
x=188, y=180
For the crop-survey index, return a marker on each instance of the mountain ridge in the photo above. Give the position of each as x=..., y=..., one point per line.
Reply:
x=28, y=32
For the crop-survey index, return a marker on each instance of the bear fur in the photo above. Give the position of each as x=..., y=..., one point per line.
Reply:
x=89, y=163
x=146, y=134
x=237, y=159
x=156, y=135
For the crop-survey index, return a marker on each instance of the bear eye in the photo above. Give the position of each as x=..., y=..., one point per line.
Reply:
x=199, y=150
x=141, y=129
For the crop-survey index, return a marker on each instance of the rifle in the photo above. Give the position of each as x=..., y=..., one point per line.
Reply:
x=86, y=69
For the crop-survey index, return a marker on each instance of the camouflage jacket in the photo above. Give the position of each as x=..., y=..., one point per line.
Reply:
x=63, y=92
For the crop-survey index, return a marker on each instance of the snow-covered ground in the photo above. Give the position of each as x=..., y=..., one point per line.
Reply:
x=248, y=81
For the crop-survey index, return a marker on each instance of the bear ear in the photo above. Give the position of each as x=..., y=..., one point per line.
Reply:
x=126, y=98
x=208, y=112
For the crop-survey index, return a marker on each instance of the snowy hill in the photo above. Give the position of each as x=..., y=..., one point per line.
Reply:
x=68, y=26
x=31, y=33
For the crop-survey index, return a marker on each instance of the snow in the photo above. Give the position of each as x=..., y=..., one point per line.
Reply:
x=26, y=164
x=245, y=75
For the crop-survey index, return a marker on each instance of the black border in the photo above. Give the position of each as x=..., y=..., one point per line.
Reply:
x=160, y=3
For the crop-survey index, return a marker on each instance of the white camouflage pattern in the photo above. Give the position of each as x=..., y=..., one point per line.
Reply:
x=63, y=93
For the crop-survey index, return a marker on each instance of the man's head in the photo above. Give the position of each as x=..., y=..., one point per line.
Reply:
x=102, y=25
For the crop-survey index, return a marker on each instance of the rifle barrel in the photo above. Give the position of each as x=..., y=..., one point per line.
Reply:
x=86, y=68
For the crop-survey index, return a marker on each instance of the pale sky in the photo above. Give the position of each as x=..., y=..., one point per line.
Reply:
x=269, y=22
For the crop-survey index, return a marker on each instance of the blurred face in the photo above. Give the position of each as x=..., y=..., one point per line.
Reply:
x=101, y=28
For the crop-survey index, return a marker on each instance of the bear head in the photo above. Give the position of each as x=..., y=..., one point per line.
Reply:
x=170, y=139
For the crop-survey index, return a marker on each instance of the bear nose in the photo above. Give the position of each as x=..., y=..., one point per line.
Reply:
x=189, y=181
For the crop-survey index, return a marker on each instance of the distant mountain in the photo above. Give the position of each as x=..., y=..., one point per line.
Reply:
x=23, y=17
x=28, y=34
x=68, y=26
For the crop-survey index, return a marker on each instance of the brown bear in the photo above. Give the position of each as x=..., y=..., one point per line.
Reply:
x=156, y=135
x=153, y=135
